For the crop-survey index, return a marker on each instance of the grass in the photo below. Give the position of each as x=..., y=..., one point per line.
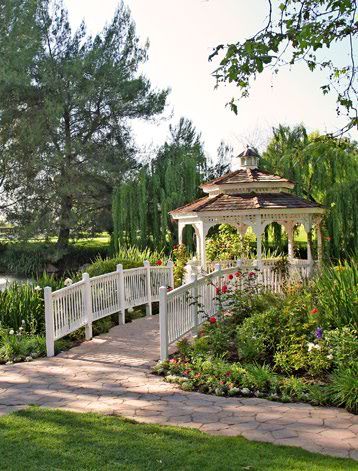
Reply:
x=40, y=439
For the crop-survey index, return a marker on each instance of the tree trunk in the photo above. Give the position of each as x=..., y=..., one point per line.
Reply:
x=64, y=223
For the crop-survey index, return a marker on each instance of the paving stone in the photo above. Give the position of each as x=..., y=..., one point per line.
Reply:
x=112, y=375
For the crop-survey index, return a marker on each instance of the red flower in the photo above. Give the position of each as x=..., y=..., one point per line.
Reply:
x=186, y=372
x=169, y=289
x=228, y=373
x=238, y=274
x=218, y=291
x=252, y=274
x=212, y=320
x=314, y=311
x=231, y=277
x=328, y=238
x=159, y=262
x=197, y=375
x=224, y=289
x=222, y=382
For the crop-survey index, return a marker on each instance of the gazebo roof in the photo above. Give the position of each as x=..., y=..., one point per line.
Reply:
x=246, y=176
x=246, y=201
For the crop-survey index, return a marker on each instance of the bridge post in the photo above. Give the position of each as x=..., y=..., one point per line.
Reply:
x=50, y=341
x=149, y=288
x=88, y=305
x=163, y=323
x=121, y=295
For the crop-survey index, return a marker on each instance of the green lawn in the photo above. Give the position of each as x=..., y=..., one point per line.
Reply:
x=40, y=439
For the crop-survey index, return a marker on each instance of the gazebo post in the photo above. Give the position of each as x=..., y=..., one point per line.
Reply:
x=180, y=232
x=319, y=244
x=309, y=251
x=290, y=233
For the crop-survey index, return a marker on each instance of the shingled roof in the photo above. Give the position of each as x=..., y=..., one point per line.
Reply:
x=247, y=201
x=246, y=175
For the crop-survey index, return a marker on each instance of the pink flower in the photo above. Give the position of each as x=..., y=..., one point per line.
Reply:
x=212, y=320
x=173, y=361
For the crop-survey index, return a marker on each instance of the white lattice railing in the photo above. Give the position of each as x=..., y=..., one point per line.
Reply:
x=90, y=299
x=179, y=309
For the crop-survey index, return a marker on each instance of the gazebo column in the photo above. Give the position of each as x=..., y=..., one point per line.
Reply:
x=258, y=230
x=203, y=230
x=290, y=233
x=319, y=244
x=181, y=226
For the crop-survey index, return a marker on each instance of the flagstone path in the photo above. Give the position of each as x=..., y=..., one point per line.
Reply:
x=112, y=374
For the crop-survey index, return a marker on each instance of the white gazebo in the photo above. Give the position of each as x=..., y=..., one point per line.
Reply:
x=250, y=197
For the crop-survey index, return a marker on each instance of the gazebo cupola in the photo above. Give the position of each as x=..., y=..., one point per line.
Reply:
x=250, y=197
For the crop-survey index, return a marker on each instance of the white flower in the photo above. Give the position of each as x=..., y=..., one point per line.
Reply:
x=318, y=347
x=68, y=282
x=23, y=322
x=11, y=332
x=21, y=329
x=37, y=288
x=330, y=356
x=310, y=346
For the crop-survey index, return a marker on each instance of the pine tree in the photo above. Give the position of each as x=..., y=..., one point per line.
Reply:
x=65, y=104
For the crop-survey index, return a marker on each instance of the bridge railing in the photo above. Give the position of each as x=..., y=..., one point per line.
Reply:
x=90, y=299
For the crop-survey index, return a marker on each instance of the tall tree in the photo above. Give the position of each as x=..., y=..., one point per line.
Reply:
x=65, y=119
x=299, y=31
x=141, y=205
x=326, y=169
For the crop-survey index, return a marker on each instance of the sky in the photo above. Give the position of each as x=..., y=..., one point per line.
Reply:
x=182, y=33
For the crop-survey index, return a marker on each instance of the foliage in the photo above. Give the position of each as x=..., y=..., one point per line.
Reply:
x=297, y=31
x=66, y=101
x=41, y=438
x=266, y=345
x=31, y=259
x=22, y=306
x=344, y=388
x=129, y=257
x=227, y=244
x=325, y=169
x=180, y=258
x=20, y=346
x=337, y=295
x=141, y=204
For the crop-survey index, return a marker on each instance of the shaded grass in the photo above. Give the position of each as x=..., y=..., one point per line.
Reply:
x=40, y=439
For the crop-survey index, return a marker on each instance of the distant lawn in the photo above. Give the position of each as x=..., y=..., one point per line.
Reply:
x=40, y=439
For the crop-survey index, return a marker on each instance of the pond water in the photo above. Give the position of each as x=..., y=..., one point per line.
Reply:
x=6, y=279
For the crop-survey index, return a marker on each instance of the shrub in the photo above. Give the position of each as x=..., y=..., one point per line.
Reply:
x=343, y=345
x=131, y=257
x=260, y=378
x=227, y=244
x=258, y=336
x=18, y=346
x=337, y=295
x=180, y=257
x=343, y=388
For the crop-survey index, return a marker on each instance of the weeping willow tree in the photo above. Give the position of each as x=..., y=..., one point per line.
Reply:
x=172, y=179
x=325, y=169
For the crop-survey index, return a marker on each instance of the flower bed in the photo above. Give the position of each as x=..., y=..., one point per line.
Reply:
x=282, y=347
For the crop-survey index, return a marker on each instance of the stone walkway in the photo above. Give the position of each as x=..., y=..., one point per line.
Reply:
x=111, y=375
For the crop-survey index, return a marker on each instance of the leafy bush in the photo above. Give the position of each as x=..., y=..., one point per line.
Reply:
x=343, y=388
x=18, y=346
x=227, y=244
x=131, y=257
x=343, y=345
x=180, y=257
x=337, y=295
